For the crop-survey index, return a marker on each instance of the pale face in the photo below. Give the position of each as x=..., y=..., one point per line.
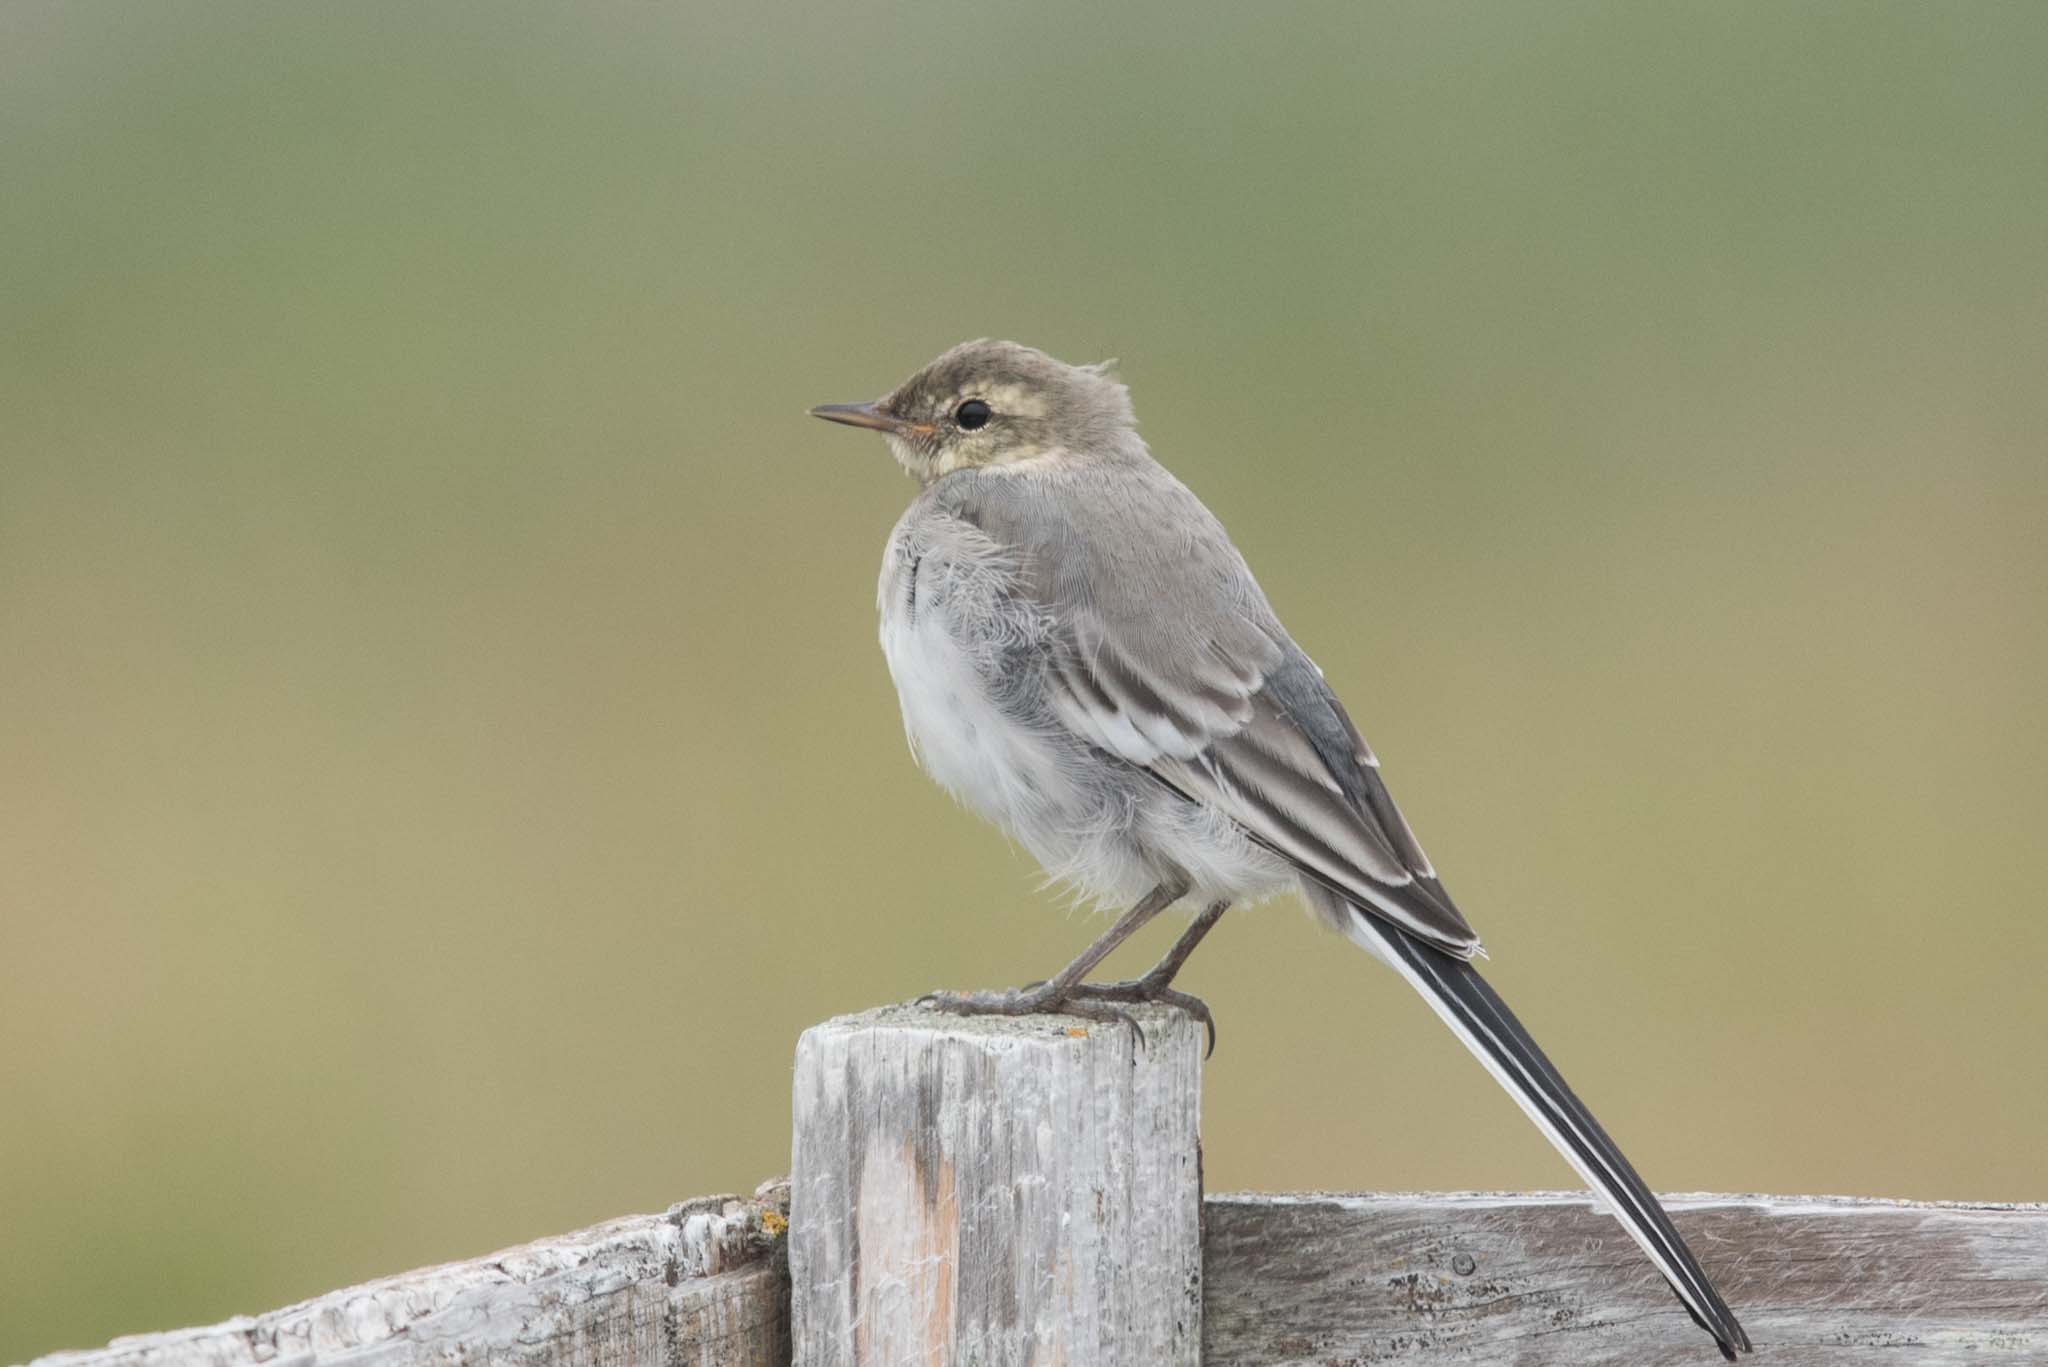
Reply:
x=974, y=421
x=992, y=403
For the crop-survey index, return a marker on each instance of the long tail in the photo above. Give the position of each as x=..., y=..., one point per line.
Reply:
x=1472, y=1009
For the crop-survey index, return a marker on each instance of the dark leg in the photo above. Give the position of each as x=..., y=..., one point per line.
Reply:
x=1057, y=996
x=1164, y=971
x=1153, y=987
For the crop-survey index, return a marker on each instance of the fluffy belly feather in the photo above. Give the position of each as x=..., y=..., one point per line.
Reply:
x=1008, y=772
x=968, y=670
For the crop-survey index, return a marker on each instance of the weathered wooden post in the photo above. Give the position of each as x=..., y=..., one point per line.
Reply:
x=995, y=1191
x=998, y=1192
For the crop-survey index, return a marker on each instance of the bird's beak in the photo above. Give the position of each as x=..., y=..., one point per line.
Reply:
x=858, y=415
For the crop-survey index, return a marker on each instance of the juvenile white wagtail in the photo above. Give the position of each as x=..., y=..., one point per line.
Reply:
x=1084, y=659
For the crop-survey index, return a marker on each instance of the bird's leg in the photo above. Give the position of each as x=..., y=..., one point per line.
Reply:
x=1153, y=987
x=1057, y=995
x=1163, y=972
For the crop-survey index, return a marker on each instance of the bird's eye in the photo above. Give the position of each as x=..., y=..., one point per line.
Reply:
x=972, y=414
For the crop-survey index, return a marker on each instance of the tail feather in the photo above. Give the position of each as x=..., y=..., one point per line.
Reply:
x=1482, y=1020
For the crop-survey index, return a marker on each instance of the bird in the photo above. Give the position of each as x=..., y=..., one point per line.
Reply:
x=1083, y=657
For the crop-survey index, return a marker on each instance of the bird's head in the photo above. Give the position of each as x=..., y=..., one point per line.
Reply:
x=994, y=403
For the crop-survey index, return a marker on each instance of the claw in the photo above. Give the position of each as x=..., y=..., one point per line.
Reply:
x=1102, y=1011
x=1149, y=990
x=1195, y=1007
x=1031, y=1001
x=1090, y=1001
x=1005, y=1003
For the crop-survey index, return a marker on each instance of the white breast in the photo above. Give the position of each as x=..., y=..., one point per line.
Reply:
x=956, y=638
x=941, y=605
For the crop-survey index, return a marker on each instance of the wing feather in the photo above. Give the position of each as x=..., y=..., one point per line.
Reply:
x=1272, y=749
x=1165, y=654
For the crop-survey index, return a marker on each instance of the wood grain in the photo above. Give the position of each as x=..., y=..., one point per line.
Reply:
x=1013, y=1191
x=704, y=1285
x=996, y=1191
x=1549, y=1278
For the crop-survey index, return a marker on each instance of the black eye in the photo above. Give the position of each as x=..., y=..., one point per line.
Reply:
x=972, y=414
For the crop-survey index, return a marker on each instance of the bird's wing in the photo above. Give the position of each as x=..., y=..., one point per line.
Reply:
x=1165, y=653
x=1271, y=745
x=1242, y=720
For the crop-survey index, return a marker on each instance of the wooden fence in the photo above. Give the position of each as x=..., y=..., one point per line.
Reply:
x=1029, y=1191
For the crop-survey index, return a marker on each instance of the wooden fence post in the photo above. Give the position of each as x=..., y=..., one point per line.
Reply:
x=1001, y=1192
x=997, y=1191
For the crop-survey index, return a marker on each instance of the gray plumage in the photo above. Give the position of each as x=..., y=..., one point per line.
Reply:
x=1084, y=658
x=1104, y=613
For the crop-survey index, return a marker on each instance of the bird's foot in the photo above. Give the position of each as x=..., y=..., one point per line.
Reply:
x=1039, y=999
x=1150, y=989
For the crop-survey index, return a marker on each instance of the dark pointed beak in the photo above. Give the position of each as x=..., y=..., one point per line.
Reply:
x=858, y=415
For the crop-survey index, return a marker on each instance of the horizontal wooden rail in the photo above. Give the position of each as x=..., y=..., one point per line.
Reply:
x=1468, y=1277
x=704, y=1285
x=1013, y=1191
x=1537, y=1279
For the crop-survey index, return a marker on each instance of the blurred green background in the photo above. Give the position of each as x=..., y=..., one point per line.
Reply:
x=446, y=759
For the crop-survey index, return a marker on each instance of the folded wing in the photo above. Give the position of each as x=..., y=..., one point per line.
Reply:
x=1242, y=720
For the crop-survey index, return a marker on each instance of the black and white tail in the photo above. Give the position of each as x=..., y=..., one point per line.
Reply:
x=1472, y=1009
